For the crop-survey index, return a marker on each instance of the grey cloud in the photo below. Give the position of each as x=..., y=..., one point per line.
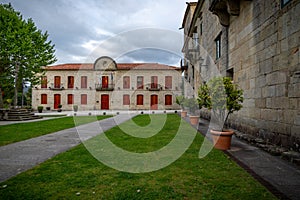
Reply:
x=73, y=24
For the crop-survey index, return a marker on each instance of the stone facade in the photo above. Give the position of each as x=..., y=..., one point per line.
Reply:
x=259, y=49
x=107, y=86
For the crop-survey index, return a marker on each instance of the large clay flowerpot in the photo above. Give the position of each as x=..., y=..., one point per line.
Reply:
x=222, y=140
x=194, y=120
x=183, y=113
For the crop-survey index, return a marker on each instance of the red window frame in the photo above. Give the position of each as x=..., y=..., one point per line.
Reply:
x=44, y=82
x=83, y=82
x=126, y=82
x=104, y=81
x=83, y=99
x=168, y=100
x=43, y=98
x=70, y=99
x=140, y=82
x=168, y=82
x=70, y=81
x=140, y=99
x=154, y=81
x=57, y=81
x=126, y=99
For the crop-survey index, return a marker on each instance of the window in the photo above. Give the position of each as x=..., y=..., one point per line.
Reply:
x=83, y=99
x=140, y=99
x=140, y=82
x=168, y=82
x=284, y=2
x=70, y=81
x=126, y=82
x=84, y=82
x=153, y=81
x=57, y=82
x=195, y=40
x=43, y=98
x=44, y=82
x=104, y=81
x=126, y=99
x=70, y=98
x=201, y=28
x=168, y=100
x=218, y=47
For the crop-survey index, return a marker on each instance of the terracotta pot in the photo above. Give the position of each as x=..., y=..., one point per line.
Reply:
x=183, y=113
x=194, y=120
x=222, y=140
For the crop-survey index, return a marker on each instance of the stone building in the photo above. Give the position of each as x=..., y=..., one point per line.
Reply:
x=256, y=43
x=107, y=85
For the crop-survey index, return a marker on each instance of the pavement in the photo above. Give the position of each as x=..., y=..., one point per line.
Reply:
x=282, y=178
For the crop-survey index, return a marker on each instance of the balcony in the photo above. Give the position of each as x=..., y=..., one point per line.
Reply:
x=57, y=87
x=106, y=87
x=154, y=87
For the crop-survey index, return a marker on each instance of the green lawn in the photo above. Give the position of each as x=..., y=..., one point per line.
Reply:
x=77, y=174
x=23, y=131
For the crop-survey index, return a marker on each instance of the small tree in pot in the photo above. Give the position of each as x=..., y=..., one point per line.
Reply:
x=59, y=108
x=180, y=101
x=193, y=106
x=75, y=108
x=40, y=109
x=223, y=97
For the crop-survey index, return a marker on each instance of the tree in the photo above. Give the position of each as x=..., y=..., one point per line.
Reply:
x=24, y=50
x=223, y=97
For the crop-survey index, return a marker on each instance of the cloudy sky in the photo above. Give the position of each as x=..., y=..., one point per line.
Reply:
x=126, y=30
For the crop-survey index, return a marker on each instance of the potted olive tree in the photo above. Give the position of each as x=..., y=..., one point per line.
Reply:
x=40, y=109
x=193, y=106
x=222, y=97
x=75, y=108
x=180, y=101
x=59, y=108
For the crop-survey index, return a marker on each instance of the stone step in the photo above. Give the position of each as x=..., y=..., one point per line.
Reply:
x=21, y=115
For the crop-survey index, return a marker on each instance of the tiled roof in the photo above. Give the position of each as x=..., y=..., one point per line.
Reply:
x=73, y=66
x=120, y=66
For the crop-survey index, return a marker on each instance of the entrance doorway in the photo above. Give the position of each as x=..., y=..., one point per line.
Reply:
x=104, y=102
x=154, y=102
x=56, y=101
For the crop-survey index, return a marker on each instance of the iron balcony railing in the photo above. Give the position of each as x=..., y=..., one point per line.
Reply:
x=104, y=87
x=56, y=86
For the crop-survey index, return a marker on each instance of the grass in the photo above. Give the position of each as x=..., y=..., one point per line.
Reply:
x=23, y=131
x=77, y=174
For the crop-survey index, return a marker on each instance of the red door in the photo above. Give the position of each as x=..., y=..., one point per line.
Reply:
x=154, y=102
x=104, y=81
x=104, y=102
x=56, y=100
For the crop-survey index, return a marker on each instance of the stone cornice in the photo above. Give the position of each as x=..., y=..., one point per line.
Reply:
x=224, y=9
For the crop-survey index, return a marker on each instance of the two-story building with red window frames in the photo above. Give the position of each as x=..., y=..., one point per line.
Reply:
x=107, y=85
